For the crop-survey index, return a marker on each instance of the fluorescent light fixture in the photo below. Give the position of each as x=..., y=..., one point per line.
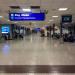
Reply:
x=15, y=22
x=48, y=22
x=51, y=20
x=27, y=10
x=8, y=20
x=63, y=9
x=33, y=22
x=1, y=16
x=55, y=16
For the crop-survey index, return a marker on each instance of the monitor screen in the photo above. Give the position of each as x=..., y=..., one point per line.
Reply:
x=5, y=29
x=66, y=18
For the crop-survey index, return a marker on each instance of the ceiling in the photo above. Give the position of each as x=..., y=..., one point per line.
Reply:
x=50, y=5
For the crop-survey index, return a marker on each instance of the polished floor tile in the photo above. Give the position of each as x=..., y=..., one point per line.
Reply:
x=36, y=74
x=36, y=50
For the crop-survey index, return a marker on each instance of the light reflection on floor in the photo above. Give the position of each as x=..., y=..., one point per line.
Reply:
x=35, y=50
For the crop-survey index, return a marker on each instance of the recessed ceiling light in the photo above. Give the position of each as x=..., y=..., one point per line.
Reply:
x=63, y=9
x=55, y=16
x=27, y=10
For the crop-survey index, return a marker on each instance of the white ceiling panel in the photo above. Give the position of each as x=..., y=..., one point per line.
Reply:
x=50, y=5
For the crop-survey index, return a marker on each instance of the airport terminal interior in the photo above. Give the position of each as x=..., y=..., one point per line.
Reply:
x=37, y=37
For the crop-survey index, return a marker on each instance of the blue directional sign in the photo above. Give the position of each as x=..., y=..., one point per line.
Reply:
x=27, y=16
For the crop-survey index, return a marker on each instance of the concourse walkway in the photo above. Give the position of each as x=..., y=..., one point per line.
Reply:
x=37, y=54
x=36, y=50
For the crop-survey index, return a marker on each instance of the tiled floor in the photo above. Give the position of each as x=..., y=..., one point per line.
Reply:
x=36, y=74
x=36, y=50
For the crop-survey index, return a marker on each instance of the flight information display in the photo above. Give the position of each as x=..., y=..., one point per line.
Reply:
x=27, y=16
x=5, y=29
x=66, y=18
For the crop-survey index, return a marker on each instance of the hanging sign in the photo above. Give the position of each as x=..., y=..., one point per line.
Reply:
x=27, y=16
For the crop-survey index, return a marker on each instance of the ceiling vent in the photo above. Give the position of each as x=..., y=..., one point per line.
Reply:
x=35, y=7
x=14, y=7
